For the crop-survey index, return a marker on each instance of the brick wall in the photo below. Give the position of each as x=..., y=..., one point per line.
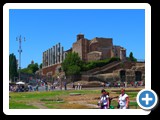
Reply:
x=77, y=47
x=82, y=48
x=50, y=69
x=95, y=55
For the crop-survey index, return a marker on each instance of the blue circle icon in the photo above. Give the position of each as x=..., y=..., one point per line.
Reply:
x=147, y=99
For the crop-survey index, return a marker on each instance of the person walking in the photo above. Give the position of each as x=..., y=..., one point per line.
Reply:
x=104, y=100
x=123, y=101
x=65, y=85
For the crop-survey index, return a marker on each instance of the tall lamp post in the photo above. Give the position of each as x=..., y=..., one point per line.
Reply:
x=20, y=51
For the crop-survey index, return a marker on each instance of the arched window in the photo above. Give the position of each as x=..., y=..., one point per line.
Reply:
x=138, y=75
x=123, y=75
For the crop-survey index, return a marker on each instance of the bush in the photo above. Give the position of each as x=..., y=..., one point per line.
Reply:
x=99, y=63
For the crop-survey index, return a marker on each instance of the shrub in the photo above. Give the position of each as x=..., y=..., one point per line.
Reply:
x=99, y=63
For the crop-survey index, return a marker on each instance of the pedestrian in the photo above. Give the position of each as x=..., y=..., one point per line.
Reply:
x=46, y=86
x=123, y=101
x=73, y=85
x=78, y=86
x=49, y=87
x=119, y=84
x=37, y=87
x=65, y=85
x=135, y=83
x=104, y=100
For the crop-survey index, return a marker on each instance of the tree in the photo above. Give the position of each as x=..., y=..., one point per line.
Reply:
x=72, y=64
x=31, y=68
x=26, y=70
x=132, y=58
x=73, y=70
x=40, y=66
x=12, y=67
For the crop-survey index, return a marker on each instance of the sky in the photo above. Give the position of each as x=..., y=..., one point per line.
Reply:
x=43, y=28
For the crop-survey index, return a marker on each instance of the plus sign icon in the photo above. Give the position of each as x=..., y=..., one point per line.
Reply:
x=147, y=99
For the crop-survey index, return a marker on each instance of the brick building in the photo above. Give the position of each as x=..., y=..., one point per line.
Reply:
x=89, y=50
x=97, y=48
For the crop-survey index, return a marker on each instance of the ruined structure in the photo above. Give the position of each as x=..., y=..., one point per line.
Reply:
x=88, y=50
x=121, y=72
x=97, y=49
x=52, y=59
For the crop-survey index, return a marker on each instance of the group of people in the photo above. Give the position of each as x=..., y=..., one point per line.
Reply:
x=17, y=88
x=105, y=100
x=137, y=83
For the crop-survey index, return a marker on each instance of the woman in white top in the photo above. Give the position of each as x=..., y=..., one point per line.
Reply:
x=123, y=100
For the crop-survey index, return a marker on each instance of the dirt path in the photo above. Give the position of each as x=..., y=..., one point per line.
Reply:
x=84, y=103
x=39, y=105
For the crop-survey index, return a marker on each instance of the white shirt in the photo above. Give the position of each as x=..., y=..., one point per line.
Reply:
x=104, y=99
x=122, y=99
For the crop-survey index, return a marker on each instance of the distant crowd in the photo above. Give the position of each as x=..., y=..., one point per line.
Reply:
x=122, y=84
x=40, y=84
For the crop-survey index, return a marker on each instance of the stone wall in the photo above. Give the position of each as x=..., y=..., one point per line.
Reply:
x=77, y=47
x=50, y=69
x=122, y=54
x=130, y=75
x=103, y=45
x=104, y=42
x=82, y=48
x=85, y=49
x=106, y=52
x=95, y=55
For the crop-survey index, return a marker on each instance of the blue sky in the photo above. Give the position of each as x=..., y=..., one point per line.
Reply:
x=45, y=28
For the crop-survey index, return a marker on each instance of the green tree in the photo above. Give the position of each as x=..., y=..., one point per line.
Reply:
x=132, y=58
x=12, y=67
x=26, y=70
x=31, y=68
x=40, y=66
x=72, y=64
x=73, y=70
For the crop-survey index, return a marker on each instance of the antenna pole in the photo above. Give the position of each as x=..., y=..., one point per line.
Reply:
x=20, y=51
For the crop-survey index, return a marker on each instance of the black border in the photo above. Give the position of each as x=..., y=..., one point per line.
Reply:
x=155, y=85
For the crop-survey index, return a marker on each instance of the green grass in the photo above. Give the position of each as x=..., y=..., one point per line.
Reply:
x=37, y=95
x=20, y=105
x=130, y=94
x=53, y=104
x=20, y=100
x=50, y=99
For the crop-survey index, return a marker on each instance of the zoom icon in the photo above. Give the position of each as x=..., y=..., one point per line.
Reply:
x=147, y=99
